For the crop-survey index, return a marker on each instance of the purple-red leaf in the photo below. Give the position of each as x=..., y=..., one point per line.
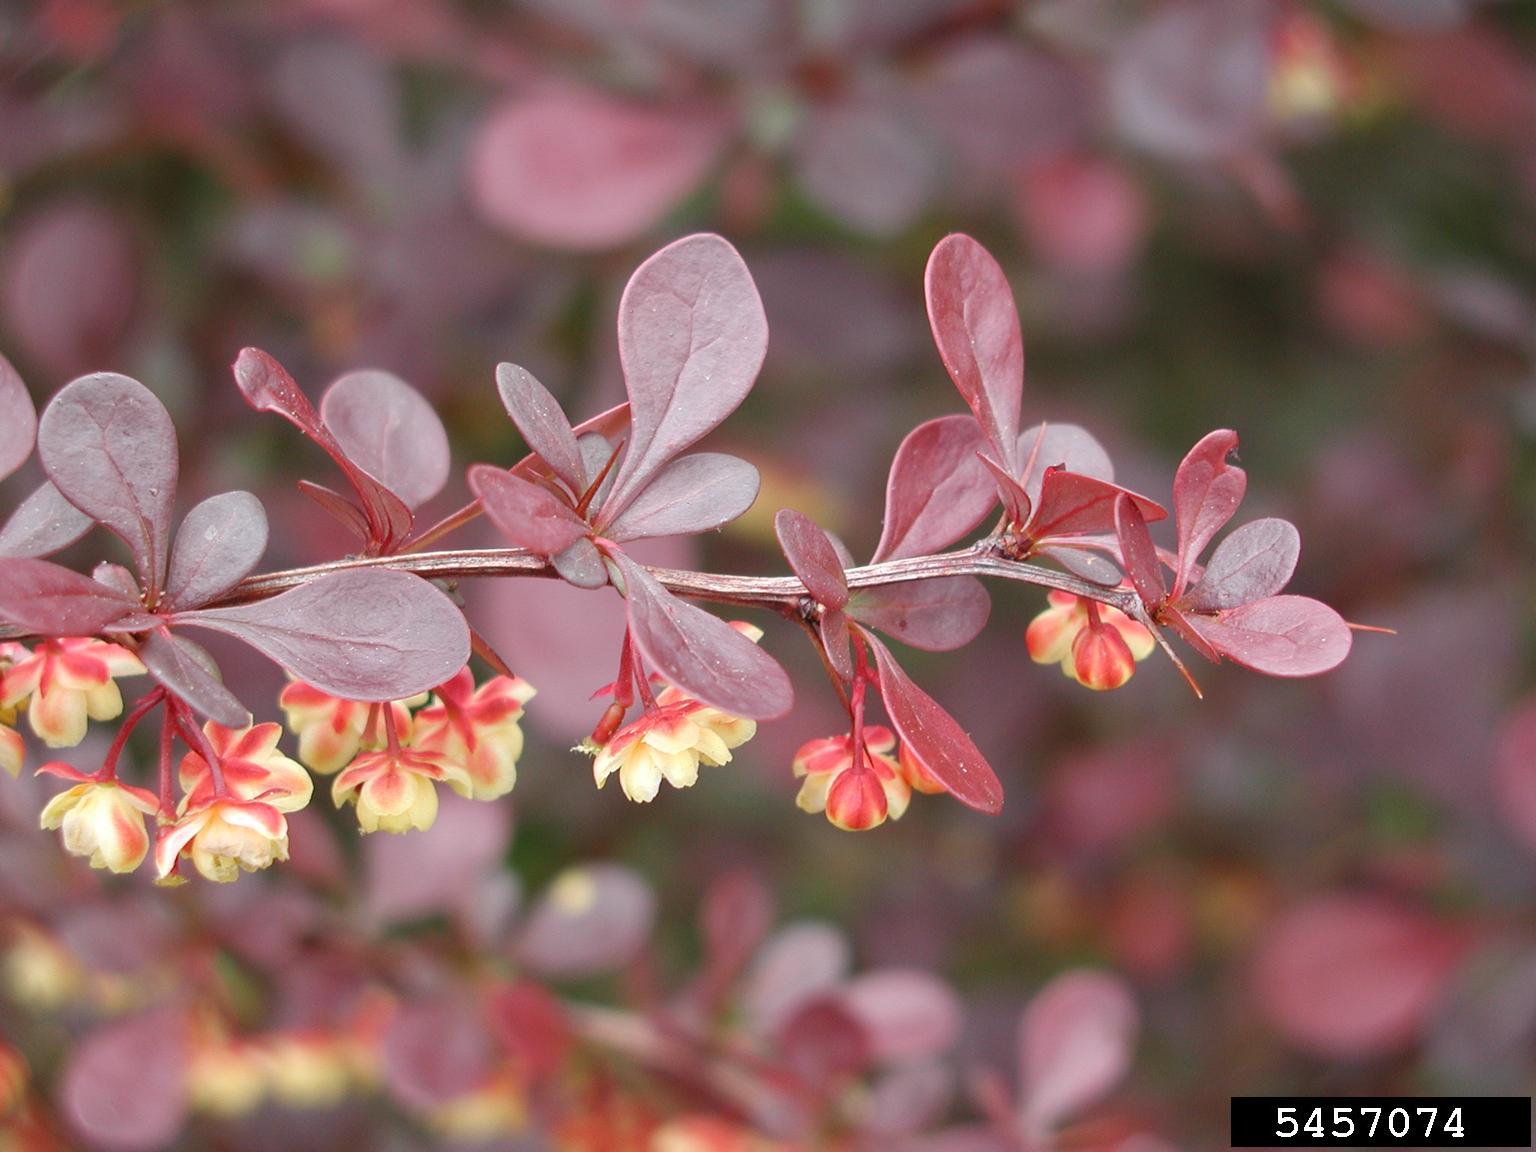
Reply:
x=267, y=387
x=217, y=545
x=18, y=420
x=937, y=491
x=367, y=634
x=590, y=920
x=577, y=169
x=700, y=653
x=389, y=431
x=934, y=615
x=696, y=493
x=933, y=736
x=1279, y=635
x=1206, y=492
x=1016, y=501
x=976, y=327
x=527, y=514
x=836, y=641
x=44, y=524
x=605, y=426
x=1252, y=563
x=338, y=506
x=812, y=557
x=109, y=446
x=1076, y=1041
x=1074, y=505
x=124, y=1087
x=581, y=564
x=1061, y=446
x=188, y=671
x=1139, y=553
x=542, y=422
x=692, y=336
x=907, y=1013
x=50, y=600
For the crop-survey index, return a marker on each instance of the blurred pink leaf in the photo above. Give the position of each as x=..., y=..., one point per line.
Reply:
x=436, y=1050
x=1076, y=1042
x=50, y=600
x=217, y=545
x=592, y=919
x=1083, y=214
x=190, y=672
x=934, y=615
x=937, y=490
x=934, y=738
x=365, y=634
x=70, y=285
x=907, y=1013
x=695, y=493
x=44, y=523
x=976, y=327
x=1190, y=83
x=868, y=164
x=109, y=446
x=124, y=1086
x=1514, y=772
x=811, y=557
x=18, y=420
x=431, y=872
x=543, y=423
x=529, y=515
x=1348, y=976
x=700, y=653
x=389, y=431
x=909, y=1098
x=800, y=961
x=823, y=1044
x=577, y=169
x=692, y=336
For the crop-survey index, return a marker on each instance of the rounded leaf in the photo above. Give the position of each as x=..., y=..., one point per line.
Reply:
x=389, y=430
x=906, y=1012
x=1279, y=636
x=1254, y=562
x=938, y=489
x=1076, y=1042
x=217, y=545
x=812, y=557
x=124, y=1086
x=590, y=920
x=43, y=524
x=18, y=420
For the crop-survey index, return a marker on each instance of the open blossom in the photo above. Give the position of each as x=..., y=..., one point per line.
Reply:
x=333, y=731
x=100, y=820
x=1098, y=654
x=477, y=728
x=65, y=681
x=395, y=790
x=669, y=743
x=242, y=827
x=856, y=792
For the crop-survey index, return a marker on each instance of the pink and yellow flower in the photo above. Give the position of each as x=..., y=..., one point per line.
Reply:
x=669, y=743
x=101, y=820
x=1100, y=655
x=12, y=750
x=855, y=792
x=252, y=767
x=476, y=728
x=332, y=731
x=64, y=682
x=396, y=790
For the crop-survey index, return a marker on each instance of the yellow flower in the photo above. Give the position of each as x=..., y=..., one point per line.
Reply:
x=395, y=791
x=223, y=838
x=66, y=681
x=476, y=728
x=101, y=820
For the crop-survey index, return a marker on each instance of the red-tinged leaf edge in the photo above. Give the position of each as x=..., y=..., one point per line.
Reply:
x=937, y=490
x=698, y=652
x=1016, y=502
x=934, y=615
x=1206, y=493
x=1075, y=505
x=190, y=672
x=1139, y=554
x=44, y=523
x=18, y=420
x=812, y=558
x=934, y=737
x=975, y=325
x=50, y=600
x=1290, y=636
x=338, y=506
x=543, y=423
x=529, y=515
x=267, y=387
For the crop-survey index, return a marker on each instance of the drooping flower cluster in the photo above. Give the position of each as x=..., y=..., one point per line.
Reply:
x=1096, y=645
x=62, y=683
x=389, y=763
x=859, y=790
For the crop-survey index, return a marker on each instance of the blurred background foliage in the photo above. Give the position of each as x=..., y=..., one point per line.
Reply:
x=1310, y=222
